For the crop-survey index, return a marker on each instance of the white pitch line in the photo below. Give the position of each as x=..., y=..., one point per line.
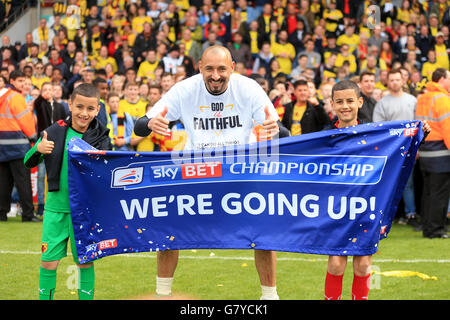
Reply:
x=127, y=255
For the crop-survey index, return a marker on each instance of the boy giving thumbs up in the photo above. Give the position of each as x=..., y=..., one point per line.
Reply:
x=57, y=224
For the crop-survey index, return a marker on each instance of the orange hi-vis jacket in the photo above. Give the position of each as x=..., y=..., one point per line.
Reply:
x=17, y=126
x=434, y=107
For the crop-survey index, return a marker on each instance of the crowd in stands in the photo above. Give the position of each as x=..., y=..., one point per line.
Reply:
x=134, y=51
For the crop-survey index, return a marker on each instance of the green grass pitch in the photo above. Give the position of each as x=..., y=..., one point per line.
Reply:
x=226, y=274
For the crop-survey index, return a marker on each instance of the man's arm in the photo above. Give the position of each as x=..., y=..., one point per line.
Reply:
x=444, y=115
x=141, y=128
x=23, y=117
x=159, y=124
x=284, y=132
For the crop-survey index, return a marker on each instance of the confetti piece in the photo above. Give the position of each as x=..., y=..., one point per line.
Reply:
x=354, y=240
x=212, y=254
x=171, y=238
x=363, y=141
x=193, y=250
x=244, y=265
x=406, y=273
x=139, y=230
x=220, y=285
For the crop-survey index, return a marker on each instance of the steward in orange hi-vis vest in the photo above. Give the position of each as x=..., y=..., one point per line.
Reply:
x=17, y=132
x=434, y=107
x=434, y=154
x=17, y=126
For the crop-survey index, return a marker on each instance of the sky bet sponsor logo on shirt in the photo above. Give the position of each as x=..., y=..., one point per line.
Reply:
x=332, y=169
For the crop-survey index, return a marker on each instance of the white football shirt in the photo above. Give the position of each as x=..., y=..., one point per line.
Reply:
x=215, y=120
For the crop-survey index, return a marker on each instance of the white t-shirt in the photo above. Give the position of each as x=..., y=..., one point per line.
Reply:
x=215, y=120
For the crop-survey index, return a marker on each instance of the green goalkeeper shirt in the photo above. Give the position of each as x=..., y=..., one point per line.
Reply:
x=58, y=201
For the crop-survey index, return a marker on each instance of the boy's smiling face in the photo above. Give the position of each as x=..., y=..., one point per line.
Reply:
x=346, y=104
x=84, y=110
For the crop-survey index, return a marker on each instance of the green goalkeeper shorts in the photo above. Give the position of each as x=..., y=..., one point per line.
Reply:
x=56, y=231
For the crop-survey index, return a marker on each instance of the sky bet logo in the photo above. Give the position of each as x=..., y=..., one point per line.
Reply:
x=407, y=132
x=187, y=171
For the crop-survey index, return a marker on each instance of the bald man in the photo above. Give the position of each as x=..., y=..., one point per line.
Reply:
x=196, y=102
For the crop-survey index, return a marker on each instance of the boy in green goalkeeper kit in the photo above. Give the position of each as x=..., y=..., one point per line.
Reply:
x=57, y=225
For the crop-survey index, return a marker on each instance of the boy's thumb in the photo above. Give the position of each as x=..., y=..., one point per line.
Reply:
x=44, y=135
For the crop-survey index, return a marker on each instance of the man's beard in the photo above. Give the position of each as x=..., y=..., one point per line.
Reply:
x=216, y=90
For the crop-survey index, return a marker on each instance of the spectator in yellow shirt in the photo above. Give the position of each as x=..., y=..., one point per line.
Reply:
x=382, y=80
x=433, y=22
x=371, y=65
x=429, y=66
x=71, y=23
x=332, y=16
x=441, y=51
x=138, y=22
x=147, y=68
x=404, y=13
x=39, y=77
x=147, y=143
x=349, y=37
x=118, y=18
x=345, y=55
x=380, y=63
x=284, y=52
x=103, y=59
x=132, y=103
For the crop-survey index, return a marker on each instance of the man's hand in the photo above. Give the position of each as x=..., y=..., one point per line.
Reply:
x=269, y=127
x=160, y=124
x=45, y=146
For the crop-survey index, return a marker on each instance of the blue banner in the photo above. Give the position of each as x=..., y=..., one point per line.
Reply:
x=332, y=192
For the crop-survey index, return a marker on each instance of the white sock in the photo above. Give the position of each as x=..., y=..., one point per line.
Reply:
x=269, y=293
x=164, y=286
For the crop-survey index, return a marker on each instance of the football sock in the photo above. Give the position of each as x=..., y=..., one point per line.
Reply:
x=333, y=287
x=164, y=286
x=86, y=283
x=360, y=287
x=47, y=284
x=269, y=293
